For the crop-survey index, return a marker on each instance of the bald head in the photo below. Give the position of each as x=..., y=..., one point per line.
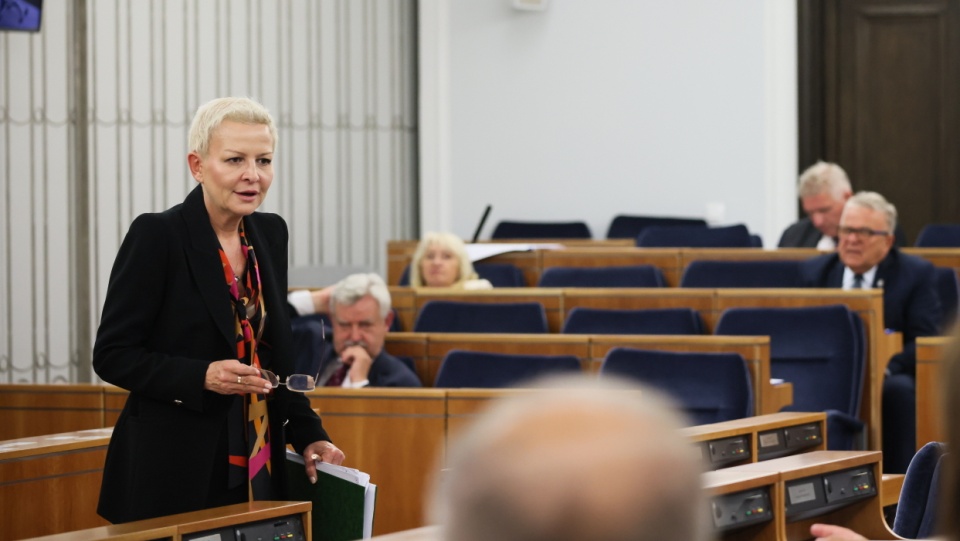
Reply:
x=592, y=460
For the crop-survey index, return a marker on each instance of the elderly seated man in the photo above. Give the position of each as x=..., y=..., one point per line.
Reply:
x=359, y=310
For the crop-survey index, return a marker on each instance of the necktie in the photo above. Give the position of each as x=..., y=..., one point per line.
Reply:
x=857, y=281
x=336, y=379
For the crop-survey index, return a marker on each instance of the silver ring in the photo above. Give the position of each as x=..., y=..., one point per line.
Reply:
x=240, y=380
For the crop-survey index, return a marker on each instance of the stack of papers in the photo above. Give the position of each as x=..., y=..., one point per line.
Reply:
x=344, y=499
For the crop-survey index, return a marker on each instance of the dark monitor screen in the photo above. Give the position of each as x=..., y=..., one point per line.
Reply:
x=20, y=15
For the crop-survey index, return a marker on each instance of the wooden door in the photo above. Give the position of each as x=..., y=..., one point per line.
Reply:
x=880, y=95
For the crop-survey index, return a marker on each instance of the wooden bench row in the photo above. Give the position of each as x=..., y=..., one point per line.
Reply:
x=398, y=436
x=709, y=303
x=671, y=261
x=427, y=351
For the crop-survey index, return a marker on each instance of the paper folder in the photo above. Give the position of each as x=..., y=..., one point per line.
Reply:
x=343, y=499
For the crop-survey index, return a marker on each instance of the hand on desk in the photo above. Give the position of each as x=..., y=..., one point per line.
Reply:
x=829, y=532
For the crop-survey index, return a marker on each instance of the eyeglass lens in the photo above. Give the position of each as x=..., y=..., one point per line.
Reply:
x=295, y=382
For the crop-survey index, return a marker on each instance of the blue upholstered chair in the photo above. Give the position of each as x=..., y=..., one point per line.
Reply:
x=582, y=320
x=821, y=351
x=481, y=317
x=496, y=370
x=628, y=227
x=541, y=230
x=734, y=236
x=939, y=236
x=702, y=273
x=709, y=387
x=629, y=276
x=499, y=274
x=917, y=508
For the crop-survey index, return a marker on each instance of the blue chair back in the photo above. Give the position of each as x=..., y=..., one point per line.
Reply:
x=481, y=317
x=582, y=320
x=939, y=236
x=628, y=227
x=629, y=276
x=821, y=351
x=499, y=274
x=541, y=230
x=734, y=236
x=701, y=273
x=710, y=387
x=479, y=369
x=917, y=507
x=948, y=289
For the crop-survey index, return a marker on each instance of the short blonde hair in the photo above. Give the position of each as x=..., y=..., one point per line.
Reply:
x=450, y=242
x=824, y=177
x=210, y=115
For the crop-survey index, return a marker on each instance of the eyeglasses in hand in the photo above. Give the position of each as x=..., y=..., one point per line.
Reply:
x=300, y=383
x=861, y=232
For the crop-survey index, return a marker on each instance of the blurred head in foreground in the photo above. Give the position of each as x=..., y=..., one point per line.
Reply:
x=580, y=458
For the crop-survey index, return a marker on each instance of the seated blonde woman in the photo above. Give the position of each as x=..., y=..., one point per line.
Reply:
x=441, y=260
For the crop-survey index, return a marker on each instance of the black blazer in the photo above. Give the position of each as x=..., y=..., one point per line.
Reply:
x=910, y=302
x=167, y=316
x=803, y=234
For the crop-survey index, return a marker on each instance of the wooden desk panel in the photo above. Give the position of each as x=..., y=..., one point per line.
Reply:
x=550, y=298
x=700, y=300
x=930, y=352
x=439, y=344
x=51, y=484
x=32, y=410
x=394, y=435
x=868, y=304
x=733, y=480
x=666, y=259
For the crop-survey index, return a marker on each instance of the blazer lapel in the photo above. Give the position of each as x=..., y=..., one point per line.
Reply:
x=204, y=261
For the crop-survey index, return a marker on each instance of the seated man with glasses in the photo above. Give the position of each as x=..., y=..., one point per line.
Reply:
x=866, y=258
x=359, y=310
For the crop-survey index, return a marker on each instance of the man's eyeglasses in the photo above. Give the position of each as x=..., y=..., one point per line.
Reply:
x=861, y=232
x=300, y=383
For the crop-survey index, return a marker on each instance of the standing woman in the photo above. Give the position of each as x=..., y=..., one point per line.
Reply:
x=195, y=306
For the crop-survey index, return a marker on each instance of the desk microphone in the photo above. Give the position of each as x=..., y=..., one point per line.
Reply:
x=483, y=220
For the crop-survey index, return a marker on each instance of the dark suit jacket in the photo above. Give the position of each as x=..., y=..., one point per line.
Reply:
x=803, y=234
x=167, y=316
x=385, y=371
x=910, y=302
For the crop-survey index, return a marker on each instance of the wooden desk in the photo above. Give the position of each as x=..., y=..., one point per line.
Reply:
x=752, y=427
x=930, y=351
x=51, y=484
x=700, y=300
x=550, y=298
x=392, y=434
x=864, y=516
x=732, y=481
x=426, y=533
x=176, y=527
x=32, y=410
x=666, y=259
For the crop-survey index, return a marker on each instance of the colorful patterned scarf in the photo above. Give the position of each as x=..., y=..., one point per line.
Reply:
x=248, y=430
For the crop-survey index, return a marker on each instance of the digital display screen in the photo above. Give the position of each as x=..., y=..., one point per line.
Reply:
x=20, y=15
x=801, y=493
x=770, y=439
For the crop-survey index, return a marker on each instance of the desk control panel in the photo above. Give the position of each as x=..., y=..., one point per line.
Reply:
x=788, y=440
x=814, y=496
x=288, y=528
x=741, y=509
x=721, y=452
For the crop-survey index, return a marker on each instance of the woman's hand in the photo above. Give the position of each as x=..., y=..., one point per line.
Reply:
x=324, y=451
x=231, y=376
